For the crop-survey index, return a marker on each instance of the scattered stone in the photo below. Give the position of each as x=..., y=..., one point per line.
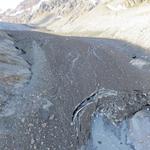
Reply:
x=52, y=117
x=47, y=105
x=44, y=125
x=32, y=141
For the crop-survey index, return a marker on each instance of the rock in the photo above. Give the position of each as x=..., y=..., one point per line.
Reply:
x=14, y=70
x=131, y=3
x=32, y=9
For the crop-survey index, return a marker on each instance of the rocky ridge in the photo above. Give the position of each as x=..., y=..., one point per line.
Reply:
x=28, y=10
x=37, y=11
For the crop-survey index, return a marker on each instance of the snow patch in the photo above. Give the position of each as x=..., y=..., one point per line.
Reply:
x=17, y=13
x=139, y=63
x=116, y=8
x=94, y=2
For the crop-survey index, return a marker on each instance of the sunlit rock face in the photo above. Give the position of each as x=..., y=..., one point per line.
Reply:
x=139, y=130
x=131, y=3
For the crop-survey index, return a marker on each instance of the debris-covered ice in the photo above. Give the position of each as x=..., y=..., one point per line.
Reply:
x=110, y=126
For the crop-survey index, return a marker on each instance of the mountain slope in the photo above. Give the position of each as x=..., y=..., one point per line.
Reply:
x=31, y=9
x=106, y=18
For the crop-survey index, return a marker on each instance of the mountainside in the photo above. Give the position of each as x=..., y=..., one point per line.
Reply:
x=28, y=10
x=101, y=18
x=21, y=13
x=54, y=15
x=31, y=9
x=118, y=19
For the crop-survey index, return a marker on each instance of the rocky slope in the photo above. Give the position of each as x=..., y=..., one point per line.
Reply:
x=39, y=11
x=14, y=70
x=21, y=13
x=31, y=9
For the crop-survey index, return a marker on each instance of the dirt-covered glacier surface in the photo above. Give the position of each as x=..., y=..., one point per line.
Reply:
x=53, y=85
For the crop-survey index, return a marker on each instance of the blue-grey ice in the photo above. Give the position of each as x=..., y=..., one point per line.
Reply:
x=130, y=134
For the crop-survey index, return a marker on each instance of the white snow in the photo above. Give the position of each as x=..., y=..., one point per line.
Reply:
x=139, y=63
x=94, y=2
x=116, y=8
x=9, y=4
x=36, y=7
x=16, y=13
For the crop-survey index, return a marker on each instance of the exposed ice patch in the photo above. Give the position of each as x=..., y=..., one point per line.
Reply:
x=130, y=134
x=106, y=136
x=139, y=130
